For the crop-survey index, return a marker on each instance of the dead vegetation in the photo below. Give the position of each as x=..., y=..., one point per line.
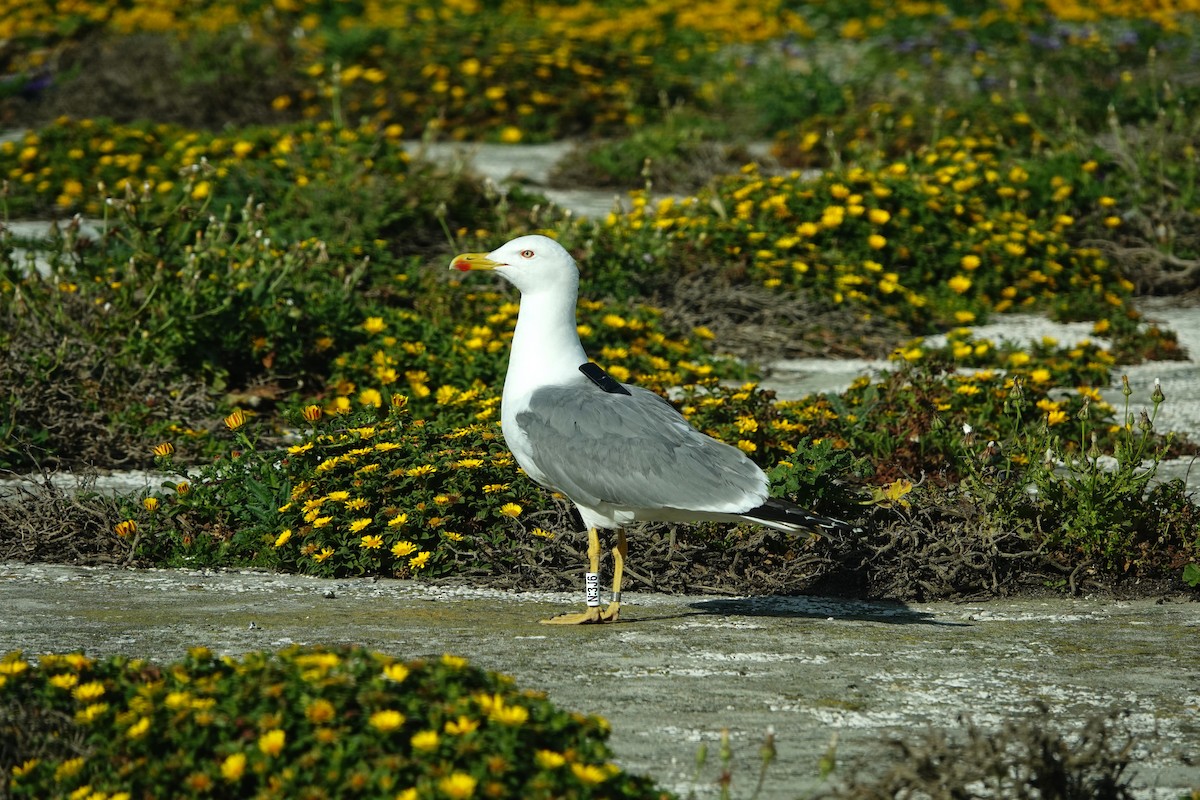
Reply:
x=42, y=521
x=1027, y=758
x=761, y=325
x=74, y=400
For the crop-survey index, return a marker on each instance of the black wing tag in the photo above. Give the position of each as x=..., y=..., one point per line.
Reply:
x=602, y=379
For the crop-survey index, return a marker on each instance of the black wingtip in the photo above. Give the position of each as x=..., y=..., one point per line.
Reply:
x=783, y=512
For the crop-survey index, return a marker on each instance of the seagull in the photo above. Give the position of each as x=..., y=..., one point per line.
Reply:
x=619, y=452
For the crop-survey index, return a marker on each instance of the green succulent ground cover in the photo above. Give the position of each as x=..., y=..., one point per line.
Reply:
x=253, y=298
x=300, y=723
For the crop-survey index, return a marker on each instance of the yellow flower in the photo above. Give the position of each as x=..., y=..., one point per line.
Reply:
x=969, y=262
x=233, y=767
x=283, y=537
x=878, y=216
x=201, y=190
x=138, y=729
x=374, y=324
x=163, y=450
x=548, y=759
x=271, y=743
x=402, y=549
x=397, y=521
x=370, y=397
x=387, y=720
x=23, y=769
x=462, y=725
x=508, y=715
x=511, y=510
x=1056, y=417
x=87, y=692
x=457, y=786
x=510, y=134
x=243, y=149
x=320, y=711
x=358, y=524
x=959, y=283
x=876, y=242
x=746, y=424
x=125, y=528
x=150, y=504
x=89, y=714
x=453, y=661
x=420, y=560
x=424, y=740
x=235, y=420
x=67, y=680
x=325, y=553
x=589, y=773
x=746, y=446
x=312, y=413
x=371, y=542
x=395, y=672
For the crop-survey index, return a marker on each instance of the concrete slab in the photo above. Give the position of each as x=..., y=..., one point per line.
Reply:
x=683, y=668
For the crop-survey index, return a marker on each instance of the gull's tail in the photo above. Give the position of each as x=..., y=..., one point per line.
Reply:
x=785, y=516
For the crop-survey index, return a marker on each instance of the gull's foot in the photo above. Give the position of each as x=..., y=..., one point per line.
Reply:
x=591, y=616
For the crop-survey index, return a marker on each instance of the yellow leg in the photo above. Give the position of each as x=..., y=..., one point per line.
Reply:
x=619, y=552
x=593, y=613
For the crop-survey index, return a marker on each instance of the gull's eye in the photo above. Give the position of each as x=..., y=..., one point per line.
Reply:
x=526, y=254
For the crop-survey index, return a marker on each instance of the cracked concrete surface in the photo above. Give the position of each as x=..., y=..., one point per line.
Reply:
x=682, y=668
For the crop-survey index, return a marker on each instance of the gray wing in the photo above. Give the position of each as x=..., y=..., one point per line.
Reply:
x=636, y=451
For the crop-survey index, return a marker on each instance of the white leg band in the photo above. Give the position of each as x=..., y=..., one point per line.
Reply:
x=592, y=588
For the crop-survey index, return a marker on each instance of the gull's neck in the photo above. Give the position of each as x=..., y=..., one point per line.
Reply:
x=546, y=350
